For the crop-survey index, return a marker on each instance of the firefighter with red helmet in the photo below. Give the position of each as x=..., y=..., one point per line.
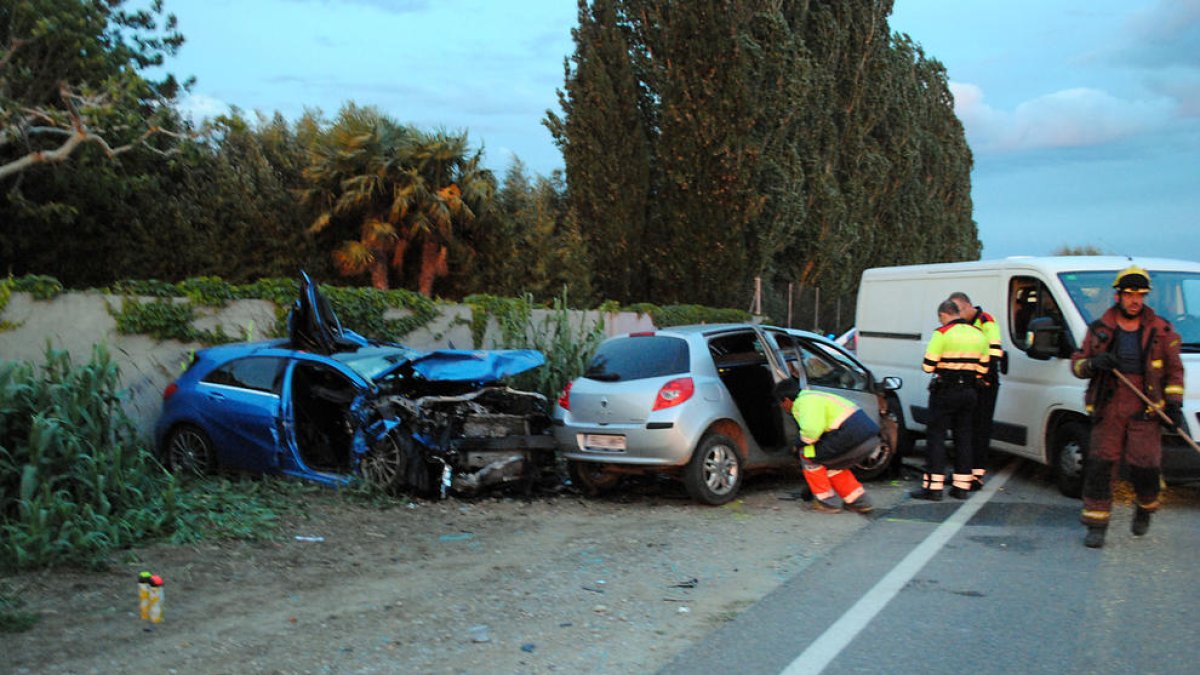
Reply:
x=1132, y=339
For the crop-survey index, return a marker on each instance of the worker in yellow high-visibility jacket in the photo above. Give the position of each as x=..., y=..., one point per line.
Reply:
x=985, y=404
x=835, y=434
x=957, y=356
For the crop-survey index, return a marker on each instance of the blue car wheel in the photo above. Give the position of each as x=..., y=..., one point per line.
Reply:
x=189, y=452
x=384, y=466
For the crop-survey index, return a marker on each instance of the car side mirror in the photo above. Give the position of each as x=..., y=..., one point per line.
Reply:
x=892, y=383
x=1044, y=338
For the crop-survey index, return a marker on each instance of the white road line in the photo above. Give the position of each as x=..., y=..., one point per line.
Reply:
x=826, y=648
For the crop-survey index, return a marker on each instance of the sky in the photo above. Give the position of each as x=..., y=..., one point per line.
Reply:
x=1083, y=115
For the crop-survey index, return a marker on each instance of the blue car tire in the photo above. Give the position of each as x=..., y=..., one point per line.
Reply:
x=189, y=452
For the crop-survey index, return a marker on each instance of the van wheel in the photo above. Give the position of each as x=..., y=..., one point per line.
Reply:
x=592, y=478
x=714, y=474
x=1070, y=453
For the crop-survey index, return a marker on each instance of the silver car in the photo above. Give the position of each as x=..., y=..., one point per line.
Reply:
x=698, y=402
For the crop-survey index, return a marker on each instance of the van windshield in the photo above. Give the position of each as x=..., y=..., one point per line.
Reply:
x=1175, y=296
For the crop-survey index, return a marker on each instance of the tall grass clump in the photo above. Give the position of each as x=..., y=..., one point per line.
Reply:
x=76, y=481
x=567, y=344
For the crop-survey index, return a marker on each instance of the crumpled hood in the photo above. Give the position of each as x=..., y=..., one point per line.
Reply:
x=463, y=365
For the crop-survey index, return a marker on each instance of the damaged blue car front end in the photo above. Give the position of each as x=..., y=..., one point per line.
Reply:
x=327, y=405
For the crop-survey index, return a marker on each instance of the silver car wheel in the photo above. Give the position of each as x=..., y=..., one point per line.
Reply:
x=714, y=474
x=721, y=469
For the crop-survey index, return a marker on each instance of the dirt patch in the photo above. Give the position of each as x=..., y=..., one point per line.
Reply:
x=552, y=584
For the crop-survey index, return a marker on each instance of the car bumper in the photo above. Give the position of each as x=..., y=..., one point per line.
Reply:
x=643, y=446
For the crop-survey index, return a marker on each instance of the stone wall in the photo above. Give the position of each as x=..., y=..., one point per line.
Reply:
x=76, y=322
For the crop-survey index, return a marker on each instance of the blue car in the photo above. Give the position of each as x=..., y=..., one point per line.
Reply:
x=327, y=405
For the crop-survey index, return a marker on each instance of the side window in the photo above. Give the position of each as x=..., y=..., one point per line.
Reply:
x=1030, y=299
x=736, y=349
x=789, y=348
x=826, y=367
x=257, y=373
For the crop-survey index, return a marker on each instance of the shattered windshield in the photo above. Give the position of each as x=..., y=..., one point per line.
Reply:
x=1175, y=296
x=371, y=362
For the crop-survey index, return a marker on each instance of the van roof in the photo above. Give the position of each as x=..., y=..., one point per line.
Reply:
x=1048, y=264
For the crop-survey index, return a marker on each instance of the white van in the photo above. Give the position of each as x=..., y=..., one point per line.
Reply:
x=1043, y=306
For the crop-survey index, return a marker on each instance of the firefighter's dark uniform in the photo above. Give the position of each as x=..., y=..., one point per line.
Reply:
x=985, y=404
x=1122, y=424
x=957, y=356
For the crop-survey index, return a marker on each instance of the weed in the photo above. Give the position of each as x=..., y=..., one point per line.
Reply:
x=75, y=479
x=13, y=619
x=242, y=508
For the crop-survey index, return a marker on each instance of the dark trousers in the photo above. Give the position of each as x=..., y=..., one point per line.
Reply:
x=981, y=436
x=1122, y=430
x=950, y=407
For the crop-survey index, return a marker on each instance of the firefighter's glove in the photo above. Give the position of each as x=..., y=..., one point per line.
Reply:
x=1104, y=361
x=1175, y=412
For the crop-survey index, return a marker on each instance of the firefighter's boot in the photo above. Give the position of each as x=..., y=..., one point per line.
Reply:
x=1141, y=522
x=1095, y=536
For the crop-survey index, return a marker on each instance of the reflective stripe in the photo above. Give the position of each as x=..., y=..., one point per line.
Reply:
x=1090, y=514
x=933, y=481
x=1173, y=389
x=1156, y=363
x=978, y=473
x=962, y=480
x=854, y=495
x=1152, y=506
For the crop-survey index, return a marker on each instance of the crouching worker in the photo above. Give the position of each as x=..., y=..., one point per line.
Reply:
x=835, y=435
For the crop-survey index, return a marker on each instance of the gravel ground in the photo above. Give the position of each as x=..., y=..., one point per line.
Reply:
x=494, y=585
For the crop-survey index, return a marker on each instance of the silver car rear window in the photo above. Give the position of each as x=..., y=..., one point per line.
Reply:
x=638, y=357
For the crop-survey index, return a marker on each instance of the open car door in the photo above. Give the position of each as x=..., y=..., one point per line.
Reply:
x=313, y=327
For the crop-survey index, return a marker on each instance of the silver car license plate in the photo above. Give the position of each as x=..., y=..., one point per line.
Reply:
x=604, y=442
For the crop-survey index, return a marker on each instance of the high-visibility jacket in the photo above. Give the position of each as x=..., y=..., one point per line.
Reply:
x=986, y=323
x=830, y=425
x=957, y=350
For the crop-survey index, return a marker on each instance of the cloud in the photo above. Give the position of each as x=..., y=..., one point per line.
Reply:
x=198, y=107
x=1070, y=118
x=1167, y=34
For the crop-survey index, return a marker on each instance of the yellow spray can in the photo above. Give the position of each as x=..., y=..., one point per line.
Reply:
x=144, y=595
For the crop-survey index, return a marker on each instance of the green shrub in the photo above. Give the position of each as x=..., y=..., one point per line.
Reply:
x=75, y=479
x=684, y=315
x=40, y=287
x=207, y=291
x=148, y=287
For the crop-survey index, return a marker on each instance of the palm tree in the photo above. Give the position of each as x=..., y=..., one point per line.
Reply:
x=404, y=190
x=445, y=189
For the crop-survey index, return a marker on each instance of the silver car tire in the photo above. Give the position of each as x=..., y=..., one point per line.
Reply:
x=189, y=452
x=714, y=474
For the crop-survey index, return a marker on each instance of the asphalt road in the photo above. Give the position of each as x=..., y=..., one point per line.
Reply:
x=1000, y=583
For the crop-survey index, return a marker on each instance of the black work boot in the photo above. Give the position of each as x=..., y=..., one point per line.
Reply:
x=926, y=494
x=1141, y=522
x=1095, y=536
